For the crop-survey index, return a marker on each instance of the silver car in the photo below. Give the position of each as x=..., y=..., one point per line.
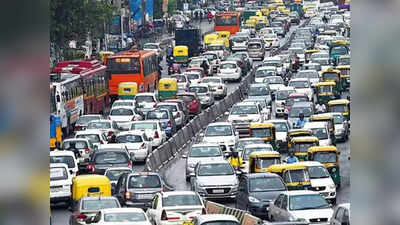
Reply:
x=204, y=93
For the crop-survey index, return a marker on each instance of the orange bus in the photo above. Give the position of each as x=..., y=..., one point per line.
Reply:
x=227, y=21
x=138, y=66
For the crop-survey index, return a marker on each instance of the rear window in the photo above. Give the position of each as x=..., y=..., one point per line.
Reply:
x=254, y=46
x=114, y=175
x=227, y=66
x=186, y=98
x=171, y=108
x=63, y=159
x=125, y=217
x=78, y=144
x=111, y=158
x=121, y=112
x=58, y=173
x=144, y=126
x=94, y=138
x=129, y=139
x=150, y=181
x=99, y=125
x=181, y=200
x=157, y=115
x=86, y=119
x=98, y=204
x=198, y=89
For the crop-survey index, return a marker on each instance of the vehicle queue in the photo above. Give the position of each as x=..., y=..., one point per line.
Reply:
x=91, y=169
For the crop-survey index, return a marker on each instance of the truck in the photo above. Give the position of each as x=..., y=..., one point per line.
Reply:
x=190, y=37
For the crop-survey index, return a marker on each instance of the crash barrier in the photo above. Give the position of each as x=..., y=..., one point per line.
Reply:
x=244, y=217
x=171, y=149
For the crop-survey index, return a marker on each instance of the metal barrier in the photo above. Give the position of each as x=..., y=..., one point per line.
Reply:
x=243, y=217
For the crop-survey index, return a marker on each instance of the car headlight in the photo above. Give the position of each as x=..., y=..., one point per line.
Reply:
x=332, y=186
x=253, y=200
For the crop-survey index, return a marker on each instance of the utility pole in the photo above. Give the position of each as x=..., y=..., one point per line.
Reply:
x=143, y=12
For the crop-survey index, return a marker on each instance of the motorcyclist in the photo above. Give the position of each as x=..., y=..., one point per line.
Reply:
x=300, y=123
x=291, y=158
x=235, y=160
x=169, y=51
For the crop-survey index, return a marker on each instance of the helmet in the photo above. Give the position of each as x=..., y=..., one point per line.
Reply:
x=301, y=115
x=235, y=154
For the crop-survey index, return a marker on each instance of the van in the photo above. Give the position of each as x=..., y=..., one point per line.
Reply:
x=60, y=183
x=256, y=50
x=66, y=157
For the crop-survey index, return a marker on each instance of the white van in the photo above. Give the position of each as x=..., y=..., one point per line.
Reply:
x=60, y=183
x=321, y=131
x=67, y=157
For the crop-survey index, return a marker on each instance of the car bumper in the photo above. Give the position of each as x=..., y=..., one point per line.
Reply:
x=242, y=128
x=206, y=192
x=239, y=48
x=141, y=204
x=256, y=55
x=259, y=209
x=230, y=76
x=60, y=196
x=140, y=154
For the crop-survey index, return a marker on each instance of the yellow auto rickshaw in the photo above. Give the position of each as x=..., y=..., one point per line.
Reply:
x=167, y=88
x=259, y=13
x=286, y=11
x=325, y=117
x=340, y=105
x=224, y=34
x=297, y=133
x=90, y=185
x=103, y=54
x=326, y=91
x=329, y=157
x=209, y=38
x=221, y=41
x=265, y=11
x=260, y=161
x=333, y=75
x=251, y=22
x=300, y=145
x=308, y=53
x=265, y=131
x=281, y=8
x=181, y=54
x=295, y=176
x=127, y=90
x=344, y=76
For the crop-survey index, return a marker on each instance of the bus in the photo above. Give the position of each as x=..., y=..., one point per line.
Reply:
x=227, y=21
x=138, y=66
x=66, y=100
x=94, y=82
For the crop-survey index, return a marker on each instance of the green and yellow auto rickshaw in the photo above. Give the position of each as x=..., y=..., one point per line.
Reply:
x=333, y=75
x=308, y=53
x=326, y=91
x=260, y=161
x=208, y=38
x=127, y=90
x=295, y=176
x=340, y=105
x=344, y=76
x=300, y=145
x=181, y=54
x=329, y=157
x=167, y=88
x=297, y=133
x=265, y=131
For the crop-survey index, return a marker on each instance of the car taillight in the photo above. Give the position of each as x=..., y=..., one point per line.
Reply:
x=87, y=150
x=169, y=123
x=240, y=63
x=155, y=105
x=204, y=211
x=109, y=117
x=164, y=215
x=237, y=70
x=218, y=71
x=101, y=142
x=208, y=94
x=143, y=145
x=163, y=189
x=129, y=164
x=90, y=168
x=110, y=133
x=156, y=134
x=81, y=216
x=127, y=195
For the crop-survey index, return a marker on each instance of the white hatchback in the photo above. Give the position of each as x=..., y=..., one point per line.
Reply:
x=229, y=70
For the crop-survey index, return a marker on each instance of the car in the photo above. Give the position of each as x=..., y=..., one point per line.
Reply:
x=192, y=101
x=302, y=85
x=280, y=98
x=263, y=72
x=312, y=75
x=66, y=157
x=221, y=133
x=319, y=55
x=293, y=98
x=181, y=105
x=166, y=118
x=137, y=189
x=194, y=76
x=180, y=117
x=311, y=66
x=214, y=60
x=306, y=205
x=146, y=101
x=198, y=62
x=248, y=149
x=342, y=126
x=156, y=48
x=217, y=86
x=219, y=49
x=183, y=81
x=341, y=215
x=112, y=216
x=60, y=183
x=215, y=179
x=175, y=207
x=260, y=91
x=321, y=131
x=262, y=102
x=85, y=146
x=83, y=120
x=153, y=129
x=108, y=127
x=89, y=206
x=215, y=219
x=238, y=43
x=281, y=129
x=264, y=31
x=97, y=137
x=275, y=61
x=124, y=102
x=272, y=40
x=244, y=113
x=106, y=157
x=257, y=191
x=321, y=180
x=239, y=59
x=307, y=108
x=243, y=142
x=114, y=173
x=136, y=142
x=294, y=18
x=279, y=30
x=256, y=49
x=123, y=115
x=201, y=152
x=204, y=93
x=229, y=70
x=274, y=83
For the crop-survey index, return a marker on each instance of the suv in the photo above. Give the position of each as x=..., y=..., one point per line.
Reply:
x=180, y=117
x=105, y=158
x=60, y=183
x=145, y=102
x=242, y=114
x=238, y=43
x=222, y=133
x=138, y=189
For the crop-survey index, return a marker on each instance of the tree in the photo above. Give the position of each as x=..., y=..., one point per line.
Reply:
x=171, y=7
x=157, y=11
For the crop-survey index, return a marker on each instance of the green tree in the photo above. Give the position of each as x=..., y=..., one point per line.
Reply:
x=171, y=6
x=157, y=11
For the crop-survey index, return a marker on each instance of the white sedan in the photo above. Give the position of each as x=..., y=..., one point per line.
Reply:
x=114, y=216
x=302, y=85
x=136, y=142
x=229, y=70
x=122, y=115
x=217, y=86
x=152, y=128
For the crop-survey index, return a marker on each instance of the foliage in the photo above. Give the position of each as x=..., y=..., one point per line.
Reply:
x=172, y=6
x=157, y=14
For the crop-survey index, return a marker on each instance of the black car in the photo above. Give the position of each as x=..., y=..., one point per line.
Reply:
x=105, y=158
x=257, y=190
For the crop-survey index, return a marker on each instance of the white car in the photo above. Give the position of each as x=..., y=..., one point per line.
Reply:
x=193, y=76
x=126, y=216
x=308, y=206
x=280, y=97
x=302, y=85
x=219, y=49
x=175, y=207
x=153, y=129
x=108, y=127
x=341, y=215
x=122, y=115
x=264, y=31
x=60, y=183
x=312, y=75
x=275, y=61
x=271, y=40
x=263, y=72
x=321, y=180
x=321, y=131
x=146, y=101
x=229, y=70
x=300, y=52
x=222, y=133
x=66, y=157
x=123, y=102
x=204, y=94
x=97, y=137
x=84, y=146
x=179, y=116
x=239, y=42
x=136, y=141
x=183, y=82
x=244, y=113
x=274, y=82
x=217, y=86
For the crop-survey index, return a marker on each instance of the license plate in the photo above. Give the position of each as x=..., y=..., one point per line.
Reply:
x=218, y=191
x=56, y=189
x=144, y=196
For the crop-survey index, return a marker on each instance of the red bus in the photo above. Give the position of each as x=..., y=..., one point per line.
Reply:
x=94, y=83
x=138, y=66
x=227, y=21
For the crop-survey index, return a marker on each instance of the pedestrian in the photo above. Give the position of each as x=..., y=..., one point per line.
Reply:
x=291, y=158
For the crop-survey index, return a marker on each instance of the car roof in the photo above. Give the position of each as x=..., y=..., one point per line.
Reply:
x=145, y=94
x=203, y=144
x=302, y=104
x=145, y=121
x=124, y=100
x=310, y=163
x=266, y=68
x=76, y=139
x=167, y=103
x=132, y=132
x=276, y=121
x=259, y=146
x=53, y=165
x=119, y=168
x=300, y=192
x=62, y=152
x=244, y=103
x=172, y=193
x=299, y=79
x=99, y=198
x=318, y=124
x=228, y=62
x=122, y=210
x=214, y=161
x=121, y=107
x=89, y=131
x=219, y=123
x=109, y=149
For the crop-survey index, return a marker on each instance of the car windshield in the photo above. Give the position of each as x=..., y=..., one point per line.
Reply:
x=198, y=89
x=337, y=108
x=121, y=112
x=239, y=39
x=317, y=172
x=325, y=89
x=304, y=202
x=273, y=80
x=217, y=169
x=181, y=200
x=144, y=181
x=283, y=94
x=215, y=48
x=261, y=132
x=248, y=151
x=115, y=104
x=320, y=133
x=78, y=144
x=307, y=74
x=144, y=126
x=325, y=157
x=113, y=175
x=299, y=84
x=157, y=115
x=186, y=98
x=294, y=112
x=227, y=66
x=86, y=119
x=140, y=99
x=244, y=109
x=111, y=158
x=58, y=173
x=338, y=118
x=254, y=46
x=179, y=78
x=221, y=222
x=129, y=138
x=267, y=161
x=303, y=147
x=125, y=217
x=69, y=160
x=331, y=76
x=265, y=73
x=220, y=130
x=322, y=62
x=261, y=184
x=272, y=63
x=98, y=204
x=205, y=151
x=99, y=125
x=193, y=76
x=171, y=108
x=291, y=101
x=210, y=56
x=281, y=127
x=211, y=80
x=339, y=50
x=258, y=91
x=94, y=138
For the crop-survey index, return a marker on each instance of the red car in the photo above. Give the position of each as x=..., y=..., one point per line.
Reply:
x=192, y=101
x=294, y=97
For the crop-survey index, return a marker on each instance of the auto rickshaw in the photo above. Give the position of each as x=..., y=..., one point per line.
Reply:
x=294, y=175
x=333, y=75
x=127, y=90
x=326, y=91
x=281, y=8
x=329, y=157
x=338, y=48
x=254, y=18
x=167, y=88
x=224, y=34
x=259, y=13
x=221, y=41
x=308, y=53
x=325, y=117
x=251, y=22
x=90, y=185
x=181, y=54
x=344, y=76
x=209, y=38
x=265, y=11
x=265, y=131
x=340, y=105
x=300, y=145
x=260, y=161
x=103, y=54
x=297, y=133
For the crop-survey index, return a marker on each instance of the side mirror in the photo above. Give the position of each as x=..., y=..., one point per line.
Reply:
x=184, y=156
